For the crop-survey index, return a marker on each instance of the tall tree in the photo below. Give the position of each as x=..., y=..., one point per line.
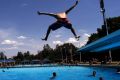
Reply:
x=27, y=55
x=2, y=56
x=113, y=24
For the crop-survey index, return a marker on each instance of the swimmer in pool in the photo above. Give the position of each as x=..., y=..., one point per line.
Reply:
x=53, y=76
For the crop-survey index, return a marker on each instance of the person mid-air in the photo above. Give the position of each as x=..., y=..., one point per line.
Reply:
x=62, y=20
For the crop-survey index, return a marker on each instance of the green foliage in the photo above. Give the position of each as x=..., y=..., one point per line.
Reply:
x=54, y=55
x=2, y=56
x=113, y=24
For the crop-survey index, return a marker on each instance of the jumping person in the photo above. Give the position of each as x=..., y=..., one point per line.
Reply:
x=61, y=21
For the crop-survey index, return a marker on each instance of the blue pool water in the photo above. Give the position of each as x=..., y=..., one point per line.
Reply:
x=63, y=73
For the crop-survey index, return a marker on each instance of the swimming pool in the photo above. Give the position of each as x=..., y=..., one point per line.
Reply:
x=63, y=73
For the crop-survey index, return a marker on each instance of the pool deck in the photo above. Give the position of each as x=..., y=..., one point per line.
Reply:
x=108, y=65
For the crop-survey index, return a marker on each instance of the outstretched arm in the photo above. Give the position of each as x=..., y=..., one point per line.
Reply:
x=67, y=11
x=49, y=14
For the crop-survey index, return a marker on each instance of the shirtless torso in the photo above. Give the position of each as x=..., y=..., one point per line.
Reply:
x=61, y=21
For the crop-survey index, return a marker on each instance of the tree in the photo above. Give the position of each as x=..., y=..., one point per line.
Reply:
x=27, y=55
x=93, y=38
x=113, y=24
x=19, y=57
x=47, y=52
x=65, y=52
x=2, y=56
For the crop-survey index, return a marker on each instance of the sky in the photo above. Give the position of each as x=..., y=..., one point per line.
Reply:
x=21, y=28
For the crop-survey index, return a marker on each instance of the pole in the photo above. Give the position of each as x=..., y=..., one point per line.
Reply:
x=80, y=56
x=104, y=16
x=110, y=55
x=71, y=55
x=4, y=58
x=65, y=54
x=61, y=54
x=105, y=22
x=80, y=53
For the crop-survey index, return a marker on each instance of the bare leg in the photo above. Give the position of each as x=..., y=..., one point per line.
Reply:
x=69, y=26
x=53, y=27
x=73, y=31
x=47, y=34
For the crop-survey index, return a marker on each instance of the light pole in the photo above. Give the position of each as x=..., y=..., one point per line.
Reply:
x=80, y=53
x=71, y=53
x=80, y=57
x=65, y=54
x=104, y=16
x=4, y=58
x=61, y=54
x=105, y=22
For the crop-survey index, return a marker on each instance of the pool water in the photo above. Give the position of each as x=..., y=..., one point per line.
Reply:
x=63, y=73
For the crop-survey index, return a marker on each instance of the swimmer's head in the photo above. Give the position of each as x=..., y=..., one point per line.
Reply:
x=54, y=74
x=94, y=73
x=100, y=78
